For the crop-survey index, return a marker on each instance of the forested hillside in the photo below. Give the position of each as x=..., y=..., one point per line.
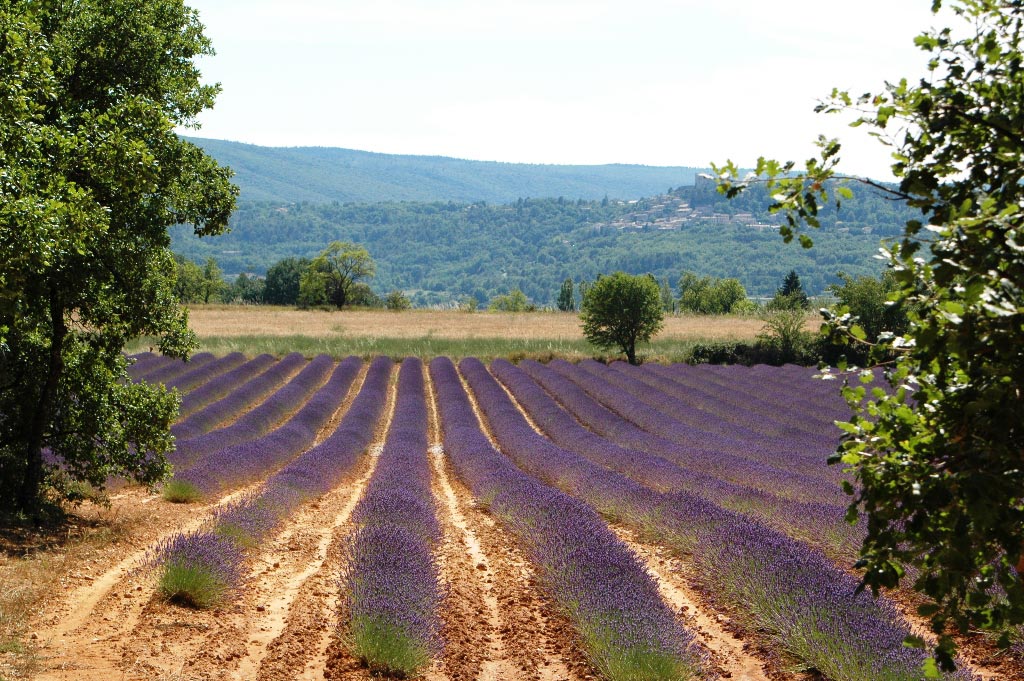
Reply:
x=324, y=174
x=439, y=252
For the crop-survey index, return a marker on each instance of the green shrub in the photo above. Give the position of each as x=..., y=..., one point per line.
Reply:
x=180, y=492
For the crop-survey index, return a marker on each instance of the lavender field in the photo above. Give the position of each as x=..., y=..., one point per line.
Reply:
x=509, y=521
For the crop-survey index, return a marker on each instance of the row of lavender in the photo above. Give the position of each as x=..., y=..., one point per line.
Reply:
x=779, y=586
x=200, y=568
x=626, y=629
x=391, y=581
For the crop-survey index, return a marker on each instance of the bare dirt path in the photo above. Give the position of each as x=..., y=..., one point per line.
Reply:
x=116, y=625
x=77, y=633
x=732, y=656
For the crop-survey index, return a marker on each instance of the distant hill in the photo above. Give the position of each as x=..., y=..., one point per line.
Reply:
x=438, y=252
x=324, y=174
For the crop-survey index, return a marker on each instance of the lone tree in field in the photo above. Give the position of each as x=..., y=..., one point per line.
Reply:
x=93, y=176
x=622, y=310
x=938, y=460
x=790, y=295
x=566, y=299
x=331, y=277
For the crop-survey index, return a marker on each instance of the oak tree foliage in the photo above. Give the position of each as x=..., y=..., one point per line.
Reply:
x=92, y=175
x=939, y=458
x=621, y=310
x=333, y=276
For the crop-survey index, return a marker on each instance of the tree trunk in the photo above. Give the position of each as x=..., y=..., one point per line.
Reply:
x=28, y=495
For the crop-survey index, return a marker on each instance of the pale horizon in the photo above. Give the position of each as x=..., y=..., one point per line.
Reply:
x=559, y=82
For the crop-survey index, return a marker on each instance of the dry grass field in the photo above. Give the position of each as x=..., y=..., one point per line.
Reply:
x=429, y=333
x=237, y=320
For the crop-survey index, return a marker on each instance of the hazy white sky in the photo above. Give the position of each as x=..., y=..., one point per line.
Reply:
x=655, y=82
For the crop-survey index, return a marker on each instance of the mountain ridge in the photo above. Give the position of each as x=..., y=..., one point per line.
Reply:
x=327, y=174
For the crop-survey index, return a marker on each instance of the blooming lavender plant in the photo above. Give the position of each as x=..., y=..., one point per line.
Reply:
x=257, y=422
x=689, y=448
x=198, y=375
x=820, y=525
x=239, y=400
x=191, y=563
x=198, y=569
x=253, y=458
x=176, y=367
x=771, y=579
x=627, y=630
x=219, y=386
x=391, y=577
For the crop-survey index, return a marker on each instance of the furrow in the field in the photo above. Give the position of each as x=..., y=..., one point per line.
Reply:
x=219, y=386
x=783, y=590
x=93, y=627
x=225, y=411
x=186, y=382
x=625, y=628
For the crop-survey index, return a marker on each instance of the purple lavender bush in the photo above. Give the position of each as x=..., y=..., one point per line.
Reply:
x=199, y=375
x=198, y=569
x=626, y=629
x=255, y=423
x=757, y=571
x=202, y=568
x=219, y=386
x=237, y=402
x=253, y=458
x=820, y=525
x=391, y=578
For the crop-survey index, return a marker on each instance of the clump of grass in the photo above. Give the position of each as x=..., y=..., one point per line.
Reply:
x=386, y=648
x=180, y=492
x=198, y=570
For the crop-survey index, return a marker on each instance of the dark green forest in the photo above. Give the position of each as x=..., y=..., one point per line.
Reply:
x=439, y=252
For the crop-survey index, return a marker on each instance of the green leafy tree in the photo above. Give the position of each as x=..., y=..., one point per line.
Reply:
x=397, y=300
x=332, y=276
x=93, y=176
x=566, y=300
x=790, y=295
x=513, y=301
x=188, y=280
x=621, y=310
x=668, y=299
x=246, y=289
x=282, y=282
x=213, y=285
x=709, y=295
x=937, y=459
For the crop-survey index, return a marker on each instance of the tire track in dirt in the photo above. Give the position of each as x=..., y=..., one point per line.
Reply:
x=80, y=639
x=300, y=646
x=540, y=643
x=730, y=654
